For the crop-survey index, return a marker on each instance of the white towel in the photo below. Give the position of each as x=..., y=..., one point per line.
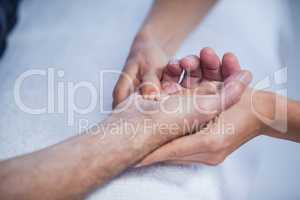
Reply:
x=77, y=39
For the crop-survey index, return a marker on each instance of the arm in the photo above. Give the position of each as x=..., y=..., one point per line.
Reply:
x=285, y=116
x=69, y=170
x=169, y=22
x=72, y=168
x=163, y=31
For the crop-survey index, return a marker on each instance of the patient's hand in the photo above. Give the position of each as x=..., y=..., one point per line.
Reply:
x=136, y=128
x=221, y=136
x=191, y=106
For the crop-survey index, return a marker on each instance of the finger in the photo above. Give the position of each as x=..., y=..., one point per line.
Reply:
x=210, y=64
x=179, y=162
x=174, y=149
x=208, y=106
x=125, y=84
x=150, y=86
x=172, y=71
x=199, y=158
x=201, y=147
x=191, y=64
x=230, y=94
x=230, y=65
x=235, y=85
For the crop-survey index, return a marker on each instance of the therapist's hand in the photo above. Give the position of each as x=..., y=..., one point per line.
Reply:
x=211, y=145
x=143, y=69
x=149, y=69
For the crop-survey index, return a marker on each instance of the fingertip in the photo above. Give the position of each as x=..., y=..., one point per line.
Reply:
x=190, y=63
x=207, y=51
x=229, y=55
x=230, y=64
x=234, y=89
x=193, y=72
x=150, y=84
x=149, y=90
x=173, y=67
x=211, y=64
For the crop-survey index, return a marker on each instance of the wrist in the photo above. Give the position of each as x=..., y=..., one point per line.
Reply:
x=143, y=132
x=132, y=134
x=149, y=36
x=275, y=123
x=263, y=103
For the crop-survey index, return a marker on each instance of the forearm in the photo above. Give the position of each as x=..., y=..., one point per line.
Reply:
x=284, y=117
x=72, y=168
x=170, y=21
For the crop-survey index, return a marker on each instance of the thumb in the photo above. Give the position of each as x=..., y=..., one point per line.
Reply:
x=150, y=83
x=234, y=87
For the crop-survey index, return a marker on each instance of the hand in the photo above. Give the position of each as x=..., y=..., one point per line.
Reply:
x=207, y=100
x=148, y=68
x=223, y=135
x=143, y=69
x=211, y=145
x=200, y=71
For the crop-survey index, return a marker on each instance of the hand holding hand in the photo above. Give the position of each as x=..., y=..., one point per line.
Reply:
x=196, y=103
x=232, y=128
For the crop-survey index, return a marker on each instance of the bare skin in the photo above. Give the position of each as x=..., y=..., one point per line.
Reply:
x=73, y=168
x=257, y=113
x=166, y=26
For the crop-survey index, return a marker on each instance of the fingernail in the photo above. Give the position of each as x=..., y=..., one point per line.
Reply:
x=152, y=96
x=208, y=51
